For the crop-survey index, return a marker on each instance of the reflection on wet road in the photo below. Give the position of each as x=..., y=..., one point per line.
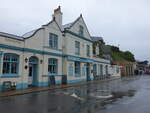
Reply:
x=126, y=95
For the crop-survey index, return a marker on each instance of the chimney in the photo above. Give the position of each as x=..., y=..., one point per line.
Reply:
x=58, y=16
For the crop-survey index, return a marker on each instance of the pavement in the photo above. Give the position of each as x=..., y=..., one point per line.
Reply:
x=40, y=89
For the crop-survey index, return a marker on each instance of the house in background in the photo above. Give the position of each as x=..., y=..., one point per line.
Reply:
x=52, y=54
x=127, y=68
x=142, y=67
x=103, y=70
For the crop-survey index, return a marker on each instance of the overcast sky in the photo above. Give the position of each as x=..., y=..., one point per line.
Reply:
x=120, y=22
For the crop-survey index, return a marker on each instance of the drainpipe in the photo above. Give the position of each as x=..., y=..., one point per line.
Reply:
x=1, y=61
x=43, y=55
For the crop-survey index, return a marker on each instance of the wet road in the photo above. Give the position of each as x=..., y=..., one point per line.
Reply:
x=126, y=95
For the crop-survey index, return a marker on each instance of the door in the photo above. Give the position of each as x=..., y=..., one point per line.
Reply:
x=30, y=78
x=95, y=71
x=88, y=72
x=33, y=71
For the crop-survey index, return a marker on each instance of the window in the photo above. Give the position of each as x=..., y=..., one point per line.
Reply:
x=77, y=47
x=70, y=71
x=77, y=68
x=81, y=30
x=52, y=66
x=88, y=50
x=10, y=63
x=53, y=41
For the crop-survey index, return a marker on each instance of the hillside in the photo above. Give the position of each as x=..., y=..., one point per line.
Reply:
x=115, y=53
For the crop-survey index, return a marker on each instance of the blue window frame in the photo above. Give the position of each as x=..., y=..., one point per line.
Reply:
x=52, y=66
x=53, y=41
x=77, y=68
x=95, y=69
x=88, y=50
x=70, y=71
x=10, y=63
x=81, y=30
x=77, y=48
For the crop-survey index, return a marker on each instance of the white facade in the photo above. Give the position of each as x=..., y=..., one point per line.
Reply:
x=48, y=55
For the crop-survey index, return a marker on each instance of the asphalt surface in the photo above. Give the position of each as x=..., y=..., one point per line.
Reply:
x=126, y=95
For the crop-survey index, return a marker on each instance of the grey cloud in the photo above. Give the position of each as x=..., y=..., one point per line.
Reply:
x=123, y=22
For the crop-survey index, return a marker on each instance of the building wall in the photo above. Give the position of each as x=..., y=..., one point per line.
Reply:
x=69, y=50
x=127, y=68
x=37, y=45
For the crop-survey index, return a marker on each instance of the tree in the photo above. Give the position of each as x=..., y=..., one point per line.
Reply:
x=128, y=56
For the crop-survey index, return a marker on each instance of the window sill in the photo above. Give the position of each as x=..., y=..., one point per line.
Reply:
x=9, y=76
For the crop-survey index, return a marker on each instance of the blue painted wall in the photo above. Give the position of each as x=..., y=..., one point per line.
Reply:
x=76, y=81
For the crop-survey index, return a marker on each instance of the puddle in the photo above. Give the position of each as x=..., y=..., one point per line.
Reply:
x=103, y=94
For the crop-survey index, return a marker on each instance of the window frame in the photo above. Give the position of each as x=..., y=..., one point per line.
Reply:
x=52, y=66
x=77, y=68
x=88, y=50
x=10, y=63
x=53, y=41
x=81, y=30
x=77, y=47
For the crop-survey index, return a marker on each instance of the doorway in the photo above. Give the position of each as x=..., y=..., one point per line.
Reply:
x=33, y=71
x=88, y=72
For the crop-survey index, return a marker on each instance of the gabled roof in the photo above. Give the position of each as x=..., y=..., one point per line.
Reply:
x=11, y=36
x=28, y=34
x=69, y=25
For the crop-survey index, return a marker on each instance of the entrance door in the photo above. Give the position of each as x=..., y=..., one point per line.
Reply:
x=33, y=71
x=95, y=71
x=88, y=72
x=30, y=78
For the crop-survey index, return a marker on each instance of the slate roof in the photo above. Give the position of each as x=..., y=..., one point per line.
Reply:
x=11, y=36
x=69, y=25
x=96, y=38
x=30, y=33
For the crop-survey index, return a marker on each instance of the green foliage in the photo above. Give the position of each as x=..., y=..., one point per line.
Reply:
x=94, y=47
x=129, y=56
x=117, y=56
x=114, y=51
x=123, y=56
x=101, y=52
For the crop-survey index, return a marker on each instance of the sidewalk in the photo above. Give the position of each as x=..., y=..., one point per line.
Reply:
x=39, y=89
